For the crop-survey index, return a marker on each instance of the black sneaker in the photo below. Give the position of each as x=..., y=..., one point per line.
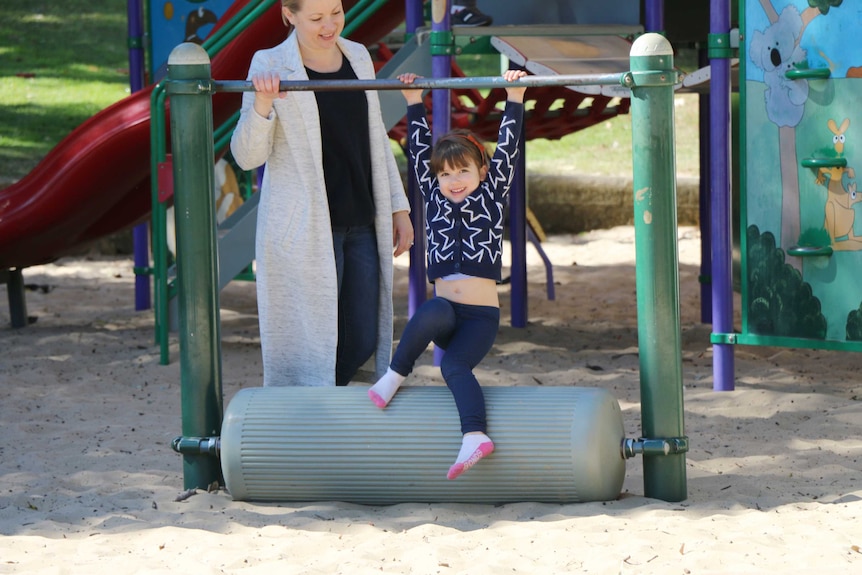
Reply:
x=470, y=17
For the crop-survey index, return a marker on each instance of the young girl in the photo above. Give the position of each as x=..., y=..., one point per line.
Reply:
x=465, y=197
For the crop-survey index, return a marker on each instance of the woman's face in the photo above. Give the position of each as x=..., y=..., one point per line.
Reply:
x=318, y=24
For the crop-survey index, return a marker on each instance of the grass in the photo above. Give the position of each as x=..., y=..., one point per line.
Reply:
x=60, y=63
x=606, y=148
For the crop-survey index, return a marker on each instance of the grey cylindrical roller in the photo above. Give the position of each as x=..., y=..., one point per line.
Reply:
x=555, y=444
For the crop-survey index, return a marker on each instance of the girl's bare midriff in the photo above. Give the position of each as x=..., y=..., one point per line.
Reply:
x=470, y=291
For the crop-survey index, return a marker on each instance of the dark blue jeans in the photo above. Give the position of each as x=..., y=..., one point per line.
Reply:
x=466, y=333
x=358, y=266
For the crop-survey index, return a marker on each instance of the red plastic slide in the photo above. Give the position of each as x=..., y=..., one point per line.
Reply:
x=96, y=181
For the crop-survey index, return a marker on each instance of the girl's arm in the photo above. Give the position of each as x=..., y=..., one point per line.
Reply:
x=412, y=95
x=502, y=168
x=515, y=92
x=418, y=136
x=419, y=148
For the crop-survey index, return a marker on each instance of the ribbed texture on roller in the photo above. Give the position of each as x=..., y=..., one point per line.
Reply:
x=332, y=444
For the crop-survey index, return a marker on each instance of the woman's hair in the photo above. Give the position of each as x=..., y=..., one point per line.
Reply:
x=458, y=149
x=292, y=5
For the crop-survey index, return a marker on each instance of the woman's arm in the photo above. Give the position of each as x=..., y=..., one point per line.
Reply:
x=252, y=139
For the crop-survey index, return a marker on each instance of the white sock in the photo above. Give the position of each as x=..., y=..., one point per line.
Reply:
x=474, y=446
x=455, y=8
x=381, y=392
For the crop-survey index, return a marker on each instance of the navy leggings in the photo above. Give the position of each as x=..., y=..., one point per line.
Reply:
x=466, y=333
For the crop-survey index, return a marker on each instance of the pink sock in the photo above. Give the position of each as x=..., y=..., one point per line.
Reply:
x=381, y=392
x=474, y=446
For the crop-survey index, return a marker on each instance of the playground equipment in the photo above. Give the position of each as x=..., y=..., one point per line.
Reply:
x=325, y=444
x=55, y=209
x=799, y=133
x=60, y=207
x=245, y=27
x=577, y=110
x=260, y=440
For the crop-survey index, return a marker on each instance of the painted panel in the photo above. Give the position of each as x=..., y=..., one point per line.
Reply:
x=173, y=22
x=802, y=119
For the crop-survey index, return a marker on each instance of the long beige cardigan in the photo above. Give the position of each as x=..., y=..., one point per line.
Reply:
x=296, y=279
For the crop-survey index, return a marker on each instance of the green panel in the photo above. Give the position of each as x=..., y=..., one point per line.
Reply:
x=801, y=136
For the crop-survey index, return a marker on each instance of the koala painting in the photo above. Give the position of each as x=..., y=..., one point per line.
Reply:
x=775, y=51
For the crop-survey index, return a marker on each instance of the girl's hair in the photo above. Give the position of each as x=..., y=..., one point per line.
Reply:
x=458, y=149
x=292, y=5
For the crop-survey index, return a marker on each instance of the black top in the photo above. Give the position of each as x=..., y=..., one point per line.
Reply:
x=346, y=150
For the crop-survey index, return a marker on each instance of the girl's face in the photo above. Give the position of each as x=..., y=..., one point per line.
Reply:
x=318, y=24
x=458, y=183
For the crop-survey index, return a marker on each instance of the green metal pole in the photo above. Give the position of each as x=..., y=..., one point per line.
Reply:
x=159, y=222
x=659, y=339
x=189, y=88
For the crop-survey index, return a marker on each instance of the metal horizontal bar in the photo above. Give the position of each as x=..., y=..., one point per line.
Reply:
x=427, y=83
x=570, y=30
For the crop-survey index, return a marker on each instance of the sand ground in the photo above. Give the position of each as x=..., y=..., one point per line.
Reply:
x=90, y=484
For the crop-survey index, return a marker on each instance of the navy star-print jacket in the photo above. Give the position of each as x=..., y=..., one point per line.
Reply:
x=466, y=237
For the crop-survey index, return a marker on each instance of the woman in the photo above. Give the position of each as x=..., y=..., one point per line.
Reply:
x=332, y=205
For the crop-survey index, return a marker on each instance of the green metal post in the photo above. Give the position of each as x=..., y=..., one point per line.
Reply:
x=657, y=275
x=189, y=89
x=159, y=222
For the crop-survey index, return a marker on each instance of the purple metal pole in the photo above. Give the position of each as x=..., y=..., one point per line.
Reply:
x=417, y=292
x=654, y=16
x=518, y=240
x=704, y=202
x=413, y=17
x=136, y=45
x=722, y=280
x=441, y=67
x=140, y=234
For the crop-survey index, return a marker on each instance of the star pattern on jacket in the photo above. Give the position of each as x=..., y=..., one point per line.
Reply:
x=470, y=231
